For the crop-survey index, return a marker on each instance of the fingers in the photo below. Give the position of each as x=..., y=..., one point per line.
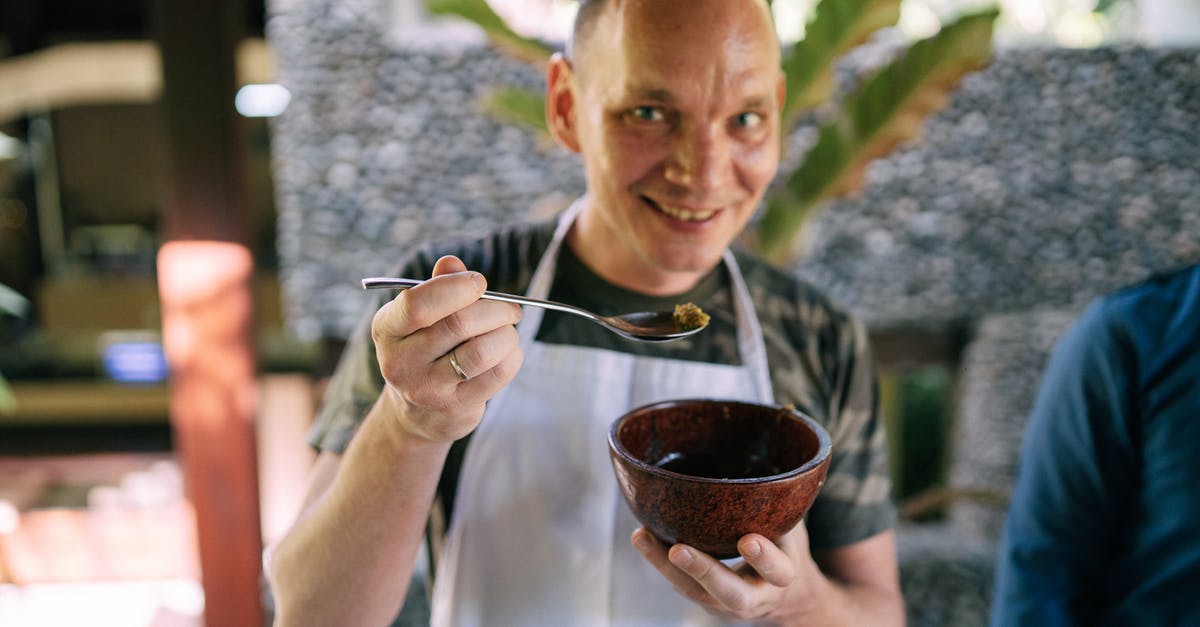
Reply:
x=724, y=586
x=447, y=308
x=424, y=328
x=489, y=361
x=481, y=387
x=657, y=554
x=768, y=560
x=422, y=306
x=750, y=592
x=477, y=354
x=448, y=264
x=474, y=321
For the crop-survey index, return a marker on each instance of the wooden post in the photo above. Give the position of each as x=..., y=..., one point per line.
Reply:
x=204, y=274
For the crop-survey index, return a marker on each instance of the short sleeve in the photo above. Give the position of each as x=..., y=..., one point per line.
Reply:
x=351, y=392
x=856, y=501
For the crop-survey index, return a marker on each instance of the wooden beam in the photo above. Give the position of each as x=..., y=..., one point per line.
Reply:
x=87, y=401
x=204, y=274
x=87, y=73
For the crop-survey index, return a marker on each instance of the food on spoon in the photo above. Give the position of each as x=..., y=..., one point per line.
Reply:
x=689, y=316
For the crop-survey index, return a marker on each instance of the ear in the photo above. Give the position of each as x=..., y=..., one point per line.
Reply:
x=560, y=102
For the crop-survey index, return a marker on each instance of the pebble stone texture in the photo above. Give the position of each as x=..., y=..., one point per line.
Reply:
x=1007, y=354
x=383, y=145
x=946, y=575
x=1052, y=176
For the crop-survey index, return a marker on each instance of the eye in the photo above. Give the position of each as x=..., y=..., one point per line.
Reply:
x=748, y=119
x=647, y=114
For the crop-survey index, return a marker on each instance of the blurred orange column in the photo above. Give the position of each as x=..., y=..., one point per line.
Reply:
x=204, y=273
x=207, y=316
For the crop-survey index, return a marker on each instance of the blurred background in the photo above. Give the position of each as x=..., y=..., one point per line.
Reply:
x=268, y=154
x=96, y=526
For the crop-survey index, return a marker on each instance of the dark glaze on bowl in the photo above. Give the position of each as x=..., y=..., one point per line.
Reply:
x=706, y=472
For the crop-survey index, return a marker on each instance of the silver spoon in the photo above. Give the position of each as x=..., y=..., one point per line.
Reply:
x=643, y=326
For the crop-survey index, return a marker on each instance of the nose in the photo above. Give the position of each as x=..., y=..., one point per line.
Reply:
x=700, y=159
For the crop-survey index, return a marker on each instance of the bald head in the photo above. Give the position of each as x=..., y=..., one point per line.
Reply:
x=585, y=22
x=593, y=15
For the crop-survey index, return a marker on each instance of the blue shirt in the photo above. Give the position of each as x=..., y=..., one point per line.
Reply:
x=1104, y=523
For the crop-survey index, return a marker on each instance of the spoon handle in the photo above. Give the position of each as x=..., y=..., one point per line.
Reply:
x=379, y=282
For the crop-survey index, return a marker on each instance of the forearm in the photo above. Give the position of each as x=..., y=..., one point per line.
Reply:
x=349, y=558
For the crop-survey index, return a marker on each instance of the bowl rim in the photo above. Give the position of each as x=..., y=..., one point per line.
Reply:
x=824, y=445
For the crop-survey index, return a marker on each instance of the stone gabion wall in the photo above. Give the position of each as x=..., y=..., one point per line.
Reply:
x=1001, y=371
x=383, y=145
x=1052, y=176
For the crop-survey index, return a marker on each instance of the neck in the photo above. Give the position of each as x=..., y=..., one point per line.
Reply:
x=605, y=254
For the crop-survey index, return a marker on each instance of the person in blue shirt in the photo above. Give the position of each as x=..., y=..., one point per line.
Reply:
x=1104, y=523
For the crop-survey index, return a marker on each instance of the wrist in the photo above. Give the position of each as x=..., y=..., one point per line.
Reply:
x=404, y=431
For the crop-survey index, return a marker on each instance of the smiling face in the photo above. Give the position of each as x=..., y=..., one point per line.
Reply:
x=675, y=108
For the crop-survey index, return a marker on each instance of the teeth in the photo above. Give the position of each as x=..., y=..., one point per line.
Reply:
x=688, y=216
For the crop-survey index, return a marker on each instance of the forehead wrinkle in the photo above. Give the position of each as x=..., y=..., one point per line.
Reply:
x=622, y=37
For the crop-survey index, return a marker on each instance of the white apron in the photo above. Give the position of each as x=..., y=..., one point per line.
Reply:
x=540, y=533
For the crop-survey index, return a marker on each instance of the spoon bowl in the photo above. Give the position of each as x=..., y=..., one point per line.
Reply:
x=642, y=326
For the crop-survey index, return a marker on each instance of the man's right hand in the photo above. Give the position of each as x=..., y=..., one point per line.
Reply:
x=424, y=332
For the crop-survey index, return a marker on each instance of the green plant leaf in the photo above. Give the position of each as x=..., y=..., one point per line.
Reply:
x=884, y=111
x=479, y=12
x=518, y=106
x=837, y=26
x=8, y=402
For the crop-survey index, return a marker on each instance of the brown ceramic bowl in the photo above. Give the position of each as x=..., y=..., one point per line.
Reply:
x=706, y=472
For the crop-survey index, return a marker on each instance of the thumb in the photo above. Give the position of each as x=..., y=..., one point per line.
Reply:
x=448, y=265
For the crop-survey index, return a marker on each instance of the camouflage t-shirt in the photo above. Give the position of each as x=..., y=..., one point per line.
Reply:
x=818, y=356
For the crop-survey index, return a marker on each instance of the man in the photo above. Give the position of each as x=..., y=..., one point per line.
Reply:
x=675, y=109
x=1104, y=524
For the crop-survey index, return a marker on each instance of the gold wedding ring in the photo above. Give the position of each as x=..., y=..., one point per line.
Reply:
x=457, y=368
